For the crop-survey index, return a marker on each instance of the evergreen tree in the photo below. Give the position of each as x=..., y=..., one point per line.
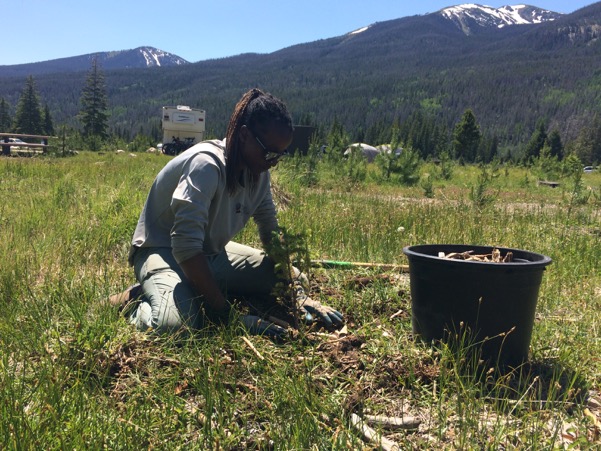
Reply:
x=93, y=114
x=588, y=143
x=407, y=166
x=28, y=117
x=337, y=140
x=47, y=120
x=466, y=137
x=555, y=144
x=388, y=160
x=5, y=119
x=488, y=149
x=537, y=141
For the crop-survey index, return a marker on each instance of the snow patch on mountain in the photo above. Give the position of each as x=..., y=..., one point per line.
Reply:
x=470, y=15
x=155, y=57
x=360, y=30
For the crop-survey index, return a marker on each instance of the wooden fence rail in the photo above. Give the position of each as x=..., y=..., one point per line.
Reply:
x=6, y=144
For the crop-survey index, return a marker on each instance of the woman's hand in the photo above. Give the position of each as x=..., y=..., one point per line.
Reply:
x=199, y=274
x=257, y=326
x=311, y=309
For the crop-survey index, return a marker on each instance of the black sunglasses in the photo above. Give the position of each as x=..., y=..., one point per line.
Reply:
x=269, y=155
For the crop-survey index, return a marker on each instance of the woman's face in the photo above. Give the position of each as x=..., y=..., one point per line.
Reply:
x=262, y=149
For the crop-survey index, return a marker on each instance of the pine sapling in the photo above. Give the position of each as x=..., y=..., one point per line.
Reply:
x=286, y=250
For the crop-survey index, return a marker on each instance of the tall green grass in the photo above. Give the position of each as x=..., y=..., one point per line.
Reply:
x=74, y=374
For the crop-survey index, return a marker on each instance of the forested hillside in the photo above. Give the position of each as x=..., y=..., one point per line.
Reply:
x=511, y=78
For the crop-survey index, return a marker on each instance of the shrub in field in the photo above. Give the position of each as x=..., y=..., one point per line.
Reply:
x=547, y=166
x=480, y=193
x=572, y=168
x=446, y=166
x=407, y=167
x=427, y=186
x=596, y=195
x=304, y=167
x=355, y=168
x=387, y=163
x=286, y=249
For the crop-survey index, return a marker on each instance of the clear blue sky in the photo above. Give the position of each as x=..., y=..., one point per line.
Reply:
x=196, y=30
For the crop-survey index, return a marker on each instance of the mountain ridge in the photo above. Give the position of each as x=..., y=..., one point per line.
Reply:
x=140, y=57
x=468, y=17
x=511, y=77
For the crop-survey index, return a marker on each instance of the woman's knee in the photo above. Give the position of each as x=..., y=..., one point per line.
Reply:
x=169, y=303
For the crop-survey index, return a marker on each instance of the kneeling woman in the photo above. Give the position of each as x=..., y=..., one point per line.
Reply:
x=182, y=251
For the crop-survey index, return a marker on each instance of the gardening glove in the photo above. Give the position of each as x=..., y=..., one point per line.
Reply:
x=311, y=309
x=258, y=326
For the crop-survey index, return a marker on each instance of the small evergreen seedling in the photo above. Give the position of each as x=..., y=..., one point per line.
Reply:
x=286, y=248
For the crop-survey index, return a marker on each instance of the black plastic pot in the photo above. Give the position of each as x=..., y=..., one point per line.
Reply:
x=494, y=302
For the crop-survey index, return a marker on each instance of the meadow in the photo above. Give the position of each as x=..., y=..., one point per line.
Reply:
x=75, y=375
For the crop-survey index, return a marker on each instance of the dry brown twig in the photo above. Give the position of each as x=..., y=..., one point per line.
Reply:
x=372, y=435
x=494, y=257
x=393, y=423
x=252, y=348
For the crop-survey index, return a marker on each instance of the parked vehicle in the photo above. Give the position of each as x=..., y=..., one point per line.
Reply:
x=589, y=168
x=182, y=128
x=15, y=144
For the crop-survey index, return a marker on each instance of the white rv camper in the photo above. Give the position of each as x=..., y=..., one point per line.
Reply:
x=182, y=127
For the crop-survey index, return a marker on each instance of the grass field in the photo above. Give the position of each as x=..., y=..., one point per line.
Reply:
x=75, y=375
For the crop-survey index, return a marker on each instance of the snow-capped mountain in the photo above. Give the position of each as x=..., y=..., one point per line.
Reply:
x=154, y=57
x=471, y=17
x=423, y=32
x=139, y=57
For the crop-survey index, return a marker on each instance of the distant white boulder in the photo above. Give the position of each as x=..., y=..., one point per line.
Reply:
x=369, y=152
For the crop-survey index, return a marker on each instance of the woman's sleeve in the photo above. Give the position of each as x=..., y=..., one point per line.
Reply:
x=265, y=214
x=190, y=205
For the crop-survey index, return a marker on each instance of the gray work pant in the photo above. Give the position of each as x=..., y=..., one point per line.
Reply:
x=170, y=302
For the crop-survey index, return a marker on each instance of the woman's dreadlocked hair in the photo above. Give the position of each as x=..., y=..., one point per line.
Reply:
x=257, y=110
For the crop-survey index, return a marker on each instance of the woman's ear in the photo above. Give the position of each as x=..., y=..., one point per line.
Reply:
x=244, y=133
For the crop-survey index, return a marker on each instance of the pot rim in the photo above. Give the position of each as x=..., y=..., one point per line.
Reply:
x=430, y=252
